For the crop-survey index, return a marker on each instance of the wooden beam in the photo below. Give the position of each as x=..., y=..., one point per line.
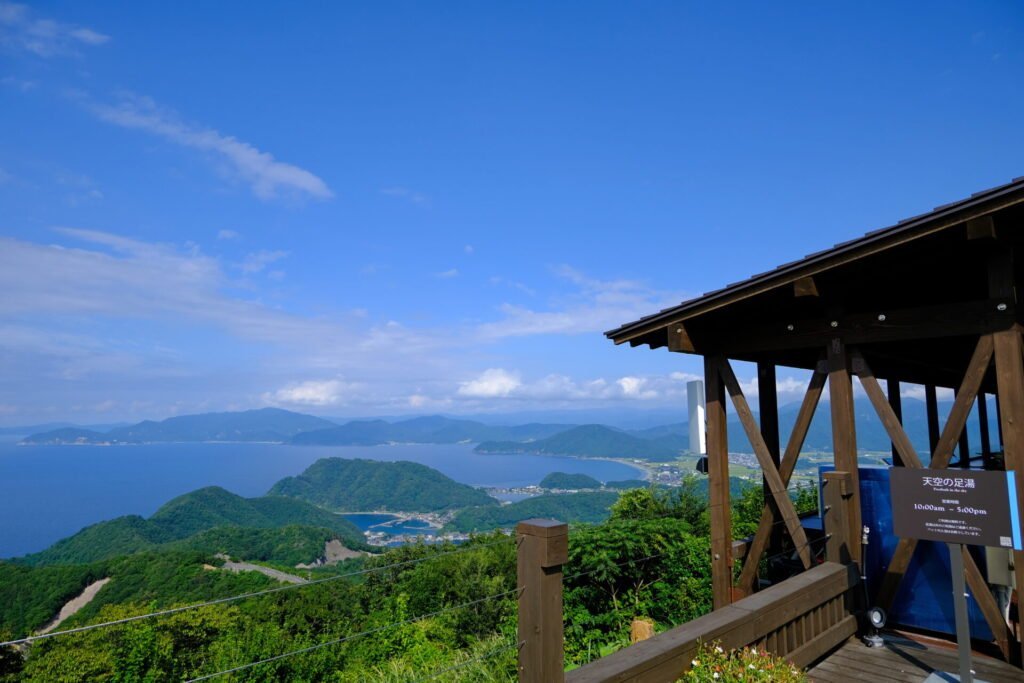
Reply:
x=911, y=324
x=976, y=369
x=963, y=445
x=900, y=441
x=983, y=227
x=805, y=286
x=931, y=406
x=768, y=418
x=801, y=426
x=1010, y=380
x=844, y=431
x=986, y=439
x=892, y=390
x=776, y=487
x=989, y=609
x=679, y=339
x=837, y=494
x=718, y=474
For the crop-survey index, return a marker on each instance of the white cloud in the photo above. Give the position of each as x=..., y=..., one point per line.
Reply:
x=257, y=261
x=120, y=278
x=636, y=387
x=917, y=391
x=227, y=235
x=685, y=376
x=447, y=274
x=406, y=194
x=312, y=393
x=498, y=383
x=21, y=31
x=21, y=84
x=492, y=383
x=267, y=177
x=594, y=306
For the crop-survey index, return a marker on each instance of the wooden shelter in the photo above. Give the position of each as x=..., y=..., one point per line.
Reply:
x=931, y=300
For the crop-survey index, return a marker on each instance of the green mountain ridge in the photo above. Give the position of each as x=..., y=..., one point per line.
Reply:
x=184, y=517
x=590, y=440
x=361, y=485
x=425, y=430
x=265, y=424
x=590, y=507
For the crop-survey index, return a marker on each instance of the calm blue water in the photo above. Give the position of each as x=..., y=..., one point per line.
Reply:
x=49, y=492
x=388, y=524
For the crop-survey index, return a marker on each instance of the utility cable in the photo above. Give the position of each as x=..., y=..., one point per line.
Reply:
x=475, y=660
x=243, y=596
x=345, y=639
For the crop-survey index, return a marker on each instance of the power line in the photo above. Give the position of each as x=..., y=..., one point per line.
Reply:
x=345, y=639
x=243, y=596
x=619, y=564
x=475, y=660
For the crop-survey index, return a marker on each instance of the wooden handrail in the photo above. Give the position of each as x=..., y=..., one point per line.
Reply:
x=801, y=619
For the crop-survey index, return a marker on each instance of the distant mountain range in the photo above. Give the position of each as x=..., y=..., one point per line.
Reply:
x=266, y=424
x=658, y=443
x=428, y=430
x=595, y=441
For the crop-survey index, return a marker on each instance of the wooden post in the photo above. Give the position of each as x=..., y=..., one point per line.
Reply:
x=964, y=447
x=986, y=441
x=892, y=390
x=837, y=494
x=543, y=547
x=1010, y=383
x=768, y=417
x=931, y=403
x=718, y=484
x=844, y=435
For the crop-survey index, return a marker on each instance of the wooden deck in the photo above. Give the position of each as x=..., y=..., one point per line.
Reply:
x=906, y=661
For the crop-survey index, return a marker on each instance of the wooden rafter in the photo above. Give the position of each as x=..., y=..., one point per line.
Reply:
x=775, y=484
x=789, y=459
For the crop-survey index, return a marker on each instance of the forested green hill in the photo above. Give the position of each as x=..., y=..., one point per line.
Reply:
x=564, y=481
x=190, y=514
x=362, y=485
x=569, y=507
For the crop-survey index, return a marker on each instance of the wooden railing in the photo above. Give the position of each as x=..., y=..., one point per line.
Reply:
x=801, y=619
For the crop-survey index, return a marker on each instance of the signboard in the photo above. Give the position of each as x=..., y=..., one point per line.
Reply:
x=955, y=506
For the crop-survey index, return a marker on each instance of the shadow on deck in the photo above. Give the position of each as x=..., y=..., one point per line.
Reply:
x=905, y=660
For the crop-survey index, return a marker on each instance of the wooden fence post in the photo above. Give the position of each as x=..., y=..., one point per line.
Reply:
x=543, y=547
x=838, y=497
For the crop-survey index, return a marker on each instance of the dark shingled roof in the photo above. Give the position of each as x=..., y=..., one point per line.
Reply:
x=940, y=218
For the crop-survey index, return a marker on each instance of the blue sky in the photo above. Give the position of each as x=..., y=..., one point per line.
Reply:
x=395, y=208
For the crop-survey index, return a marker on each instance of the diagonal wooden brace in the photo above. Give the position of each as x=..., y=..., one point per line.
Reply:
x=789, y=459
x=764, y=457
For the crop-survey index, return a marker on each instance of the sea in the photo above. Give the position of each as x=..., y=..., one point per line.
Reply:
x=50, y=492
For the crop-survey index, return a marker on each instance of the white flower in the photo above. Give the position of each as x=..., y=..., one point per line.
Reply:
x=750, y=666
x=694, y=663
x=718, y=649
x=715, y=675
